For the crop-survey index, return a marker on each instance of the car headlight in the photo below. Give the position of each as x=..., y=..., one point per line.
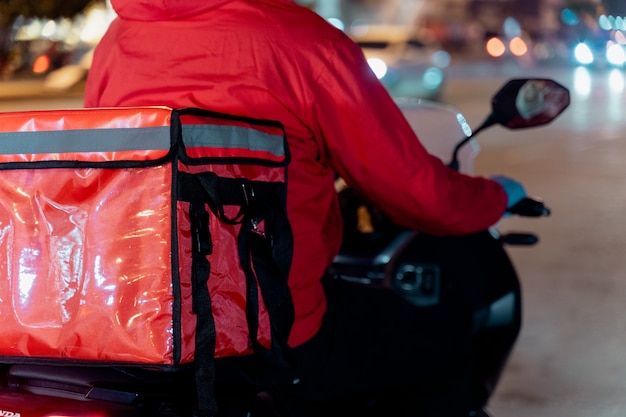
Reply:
x=378, y=66
x=583, y=54
x=615, y=55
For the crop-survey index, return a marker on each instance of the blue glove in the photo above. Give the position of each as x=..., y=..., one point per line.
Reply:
x=514, y=190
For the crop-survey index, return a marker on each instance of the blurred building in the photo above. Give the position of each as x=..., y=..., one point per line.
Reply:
x=451, y=20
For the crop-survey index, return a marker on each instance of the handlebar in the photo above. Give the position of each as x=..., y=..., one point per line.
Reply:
x=529, y=207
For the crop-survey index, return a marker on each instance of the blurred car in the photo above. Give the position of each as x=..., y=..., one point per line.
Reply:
x=405, y=64
x=513, y=42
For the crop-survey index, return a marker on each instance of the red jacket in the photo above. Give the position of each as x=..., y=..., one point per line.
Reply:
x=276, y=60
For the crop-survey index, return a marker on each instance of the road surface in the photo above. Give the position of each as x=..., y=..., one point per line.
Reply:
x=570, y=360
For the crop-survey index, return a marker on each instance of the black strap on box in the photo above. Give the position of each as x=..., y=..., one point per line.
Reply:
x=265, y=244
x=205, y=337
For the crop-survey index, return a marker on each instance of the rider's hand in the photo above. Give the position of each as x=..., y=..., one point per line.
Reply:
x=514, y=190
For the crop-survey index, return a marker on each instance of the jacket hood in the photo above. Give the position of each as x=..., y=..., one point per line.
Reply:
x=153, y=10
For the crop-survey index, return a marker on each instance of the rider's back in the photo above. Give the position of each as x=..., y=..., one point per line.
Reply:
x=272, y=59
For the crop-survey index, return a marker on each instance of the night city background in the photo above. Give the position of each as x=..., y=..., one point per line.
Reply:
x=570, y=359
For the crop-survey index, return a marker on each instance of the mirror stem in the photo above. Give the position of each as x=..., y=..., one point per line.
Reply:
x=454, y=163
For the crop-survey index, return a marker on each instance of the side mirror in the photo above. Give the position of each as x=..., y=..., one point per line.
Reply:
x=523, y=103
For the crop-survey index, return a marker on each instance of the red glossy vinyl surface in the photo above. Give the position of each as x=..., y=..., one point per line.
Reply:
x=85, y=256
x=77, y=119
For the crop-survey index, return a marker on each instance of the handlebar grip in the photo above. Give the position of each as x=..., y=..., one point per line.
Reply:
x=529, y=207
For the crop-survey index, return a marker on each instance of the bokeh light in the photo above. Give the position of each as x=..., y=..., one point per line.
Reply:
x=41, y=64
x=569, y=17
x=441, y=59
x=48, y=30
x=518, y=47
x=583, y=54
x=378, y=66
x=338, y=23
x=511, y=28
x=433, y=77
x=604, y=23
x=495, y=47
x=615, y=55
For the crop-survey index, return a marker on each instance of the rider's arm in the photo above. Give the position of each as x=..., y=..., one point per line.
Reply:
x=371, y=145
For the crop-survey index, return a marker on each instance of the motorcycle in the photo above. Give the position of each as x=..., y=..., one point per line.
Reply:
x=470, y=277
